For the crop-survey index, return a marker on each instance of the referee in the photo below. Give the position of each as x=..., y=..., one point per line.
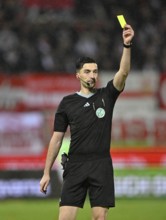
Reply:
x=88, y=165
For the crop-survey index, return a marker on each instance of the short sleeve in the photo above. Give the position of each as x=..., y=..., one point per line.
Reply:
x=112, y=91
x=61, y=120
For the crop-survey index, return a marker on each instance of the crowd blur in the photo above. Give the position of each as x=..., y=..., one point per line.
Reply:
x=50, y=36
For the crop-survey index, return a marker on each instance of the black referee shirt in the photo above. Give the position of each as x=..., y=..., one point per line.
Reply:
x=90, y=121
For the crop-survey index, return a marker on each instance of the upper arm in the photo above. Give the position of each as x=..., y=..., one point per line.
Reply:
x=119, y=80
x=61, y=119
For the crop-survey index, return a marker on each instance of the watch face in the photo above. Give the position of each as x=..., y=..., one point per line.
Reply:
x=100, y=112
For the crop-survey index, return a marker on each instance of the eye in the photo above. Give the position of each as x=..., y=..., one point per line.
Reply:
x=86, y=71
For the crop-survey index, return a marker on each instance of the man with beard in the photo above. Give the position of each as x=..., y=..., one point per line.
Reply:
x=88, y=165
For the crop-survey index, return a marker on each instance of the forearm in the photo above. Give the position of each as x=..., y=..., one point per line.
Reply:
x=125, y=62
x=52, y=153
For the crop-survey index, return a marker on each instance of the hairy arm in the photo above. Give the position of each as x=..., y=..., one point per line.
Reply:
x=53, y=150
x=121, y=75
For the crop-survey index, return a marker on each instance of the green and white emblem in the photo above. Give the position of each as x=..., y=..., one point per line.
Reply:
x=100, y=112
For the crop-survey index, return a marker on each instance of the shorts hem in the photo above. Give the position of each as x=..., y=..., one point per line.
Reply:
x=103, y=205
x=74, y=205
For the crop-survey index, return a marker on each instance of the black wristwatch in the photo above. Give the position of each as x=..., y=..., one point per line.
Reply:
x=127, y=45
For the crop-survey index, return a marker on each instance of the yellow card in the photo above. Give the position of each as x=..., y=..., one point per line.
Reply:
x=121, y=20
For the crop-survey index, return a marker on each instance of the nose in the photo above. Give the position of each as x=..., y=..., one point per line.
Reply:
x=92, y=75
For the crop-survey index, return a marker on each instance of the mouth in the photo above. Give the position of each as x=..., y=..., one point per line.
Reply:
x=92, y=81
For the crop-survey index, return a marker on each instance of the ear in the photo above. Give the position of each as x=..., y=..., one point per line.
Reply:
x=77, y=75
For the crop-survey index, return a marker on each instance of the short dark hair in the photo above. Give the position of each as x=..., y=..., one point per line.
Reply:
x=82, y=60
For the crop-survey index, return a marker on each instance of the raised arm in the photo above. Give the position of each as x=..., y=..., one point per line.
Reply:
x=53, y=150
x=121, y=75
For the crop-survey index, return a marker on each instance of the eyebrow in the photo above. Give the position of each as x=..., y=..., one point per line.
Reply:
x=91, y=70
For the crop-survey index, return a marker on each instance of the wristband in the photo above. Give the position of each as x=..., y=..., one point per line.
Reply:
x=127, y=45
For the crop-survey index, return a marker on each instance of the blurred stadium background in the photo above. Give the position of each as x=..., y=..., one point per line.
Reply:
x=39, y=43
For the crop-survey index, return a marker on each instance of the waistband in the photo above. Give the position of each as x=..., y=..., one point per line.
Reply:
x=87, y=157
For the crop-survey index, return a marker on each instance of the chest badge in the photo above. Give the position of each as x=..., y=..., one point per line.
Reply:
x=100, y=112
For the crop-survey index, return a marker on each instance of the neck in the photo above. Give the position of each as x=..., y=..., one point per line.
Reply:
x=87, y=91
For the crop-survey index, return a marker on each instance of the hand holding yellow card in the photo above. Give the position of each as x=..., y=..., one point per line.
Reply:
x=122, y=20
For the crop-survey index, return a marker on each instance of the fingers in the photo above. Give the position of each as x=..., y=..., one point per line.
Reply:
x=43, y=189
x=128, y=29
x=43, y=186
x=128, y=33
x=127, y=26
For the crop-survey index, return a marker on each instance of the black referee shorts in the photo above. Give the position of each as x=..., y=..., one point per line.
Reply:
x=94, y=177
